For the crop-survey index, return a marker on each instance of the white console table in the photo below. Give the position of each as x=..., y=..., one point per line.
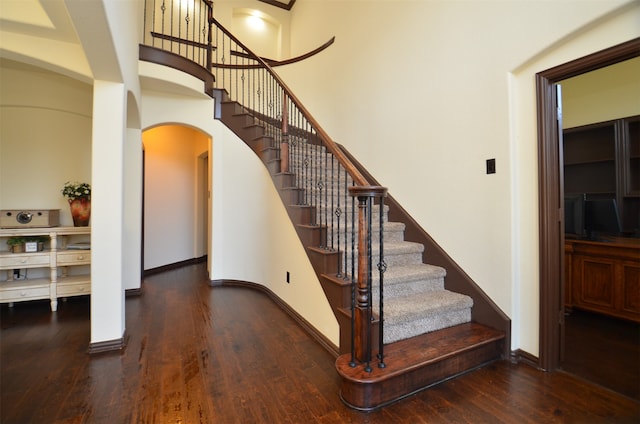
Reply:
x=56, y=259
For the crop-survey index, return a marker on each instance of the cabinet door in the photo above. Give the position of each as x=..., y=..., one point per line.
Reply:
x=630, y=299
x=594, y=283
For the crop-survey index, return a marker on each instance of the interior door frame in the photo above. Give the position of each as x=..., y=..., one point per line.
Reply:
x=550, y=193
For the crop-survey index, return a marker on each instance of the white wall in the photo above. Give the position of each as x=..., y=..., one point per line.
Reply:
x=440, y=87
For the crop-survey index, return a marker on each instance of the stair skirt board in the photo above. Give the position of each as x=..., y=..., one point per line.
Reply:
x=416, y=364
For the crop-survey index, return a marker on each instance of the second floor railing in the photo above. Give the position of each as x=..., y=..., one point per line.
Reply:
x=347, y=208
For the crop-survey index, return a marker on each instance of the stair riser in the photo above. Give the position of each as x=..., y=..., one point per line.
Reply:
x=269, y=154
x=392, y=291
x=389, y=236
x=398, y=259
x=290, y=196
x=395, y=332
x=283, y=180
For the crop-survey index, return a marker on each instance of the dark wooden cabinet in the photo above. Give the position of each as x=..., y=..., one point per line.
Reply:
x=602, y=161
x=604, y=277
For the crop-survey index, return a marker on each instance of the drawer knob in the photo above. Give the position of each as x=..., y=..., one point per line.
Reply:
x=80, y=257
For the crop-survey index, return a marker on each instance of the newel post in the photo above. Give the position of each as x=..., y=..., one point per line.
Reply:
x=362, y=308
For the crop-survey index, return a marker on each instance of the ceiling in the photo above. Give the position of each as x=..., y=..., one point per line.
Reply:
x=36, y=18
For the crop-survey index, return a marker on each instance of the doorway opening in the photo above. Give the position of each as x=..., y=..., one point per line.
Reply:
x=176, y=196
x=551, y=199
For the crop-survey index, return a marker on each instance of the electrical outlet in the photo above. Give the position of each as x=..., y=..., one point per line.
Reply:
x=288, y=277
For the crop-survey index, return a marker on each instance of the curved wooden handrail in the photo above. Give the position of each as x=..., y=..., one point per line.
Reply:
x=274, y=63
x=357, y=177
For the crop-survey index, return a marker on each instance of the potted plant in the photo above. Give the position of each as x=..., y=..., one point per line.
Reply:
x=79, y=197
x=39, y=240
x=16, y=244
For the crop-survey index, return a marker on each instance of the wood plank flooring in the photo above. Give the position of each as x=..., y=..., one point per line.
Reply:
x=603, y=350
x=198, y=354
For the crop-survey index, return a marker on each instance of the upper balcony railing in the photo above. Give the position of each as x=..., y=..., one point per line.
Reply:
x=327, y=180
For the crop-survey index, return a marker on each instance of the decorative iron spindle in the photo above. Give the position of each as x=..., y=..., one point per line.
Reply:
x=382, y=267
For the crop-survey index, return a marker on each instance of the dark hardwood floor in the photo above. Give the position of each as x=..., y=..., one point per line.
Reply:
x=198, y=354
x=603, y=350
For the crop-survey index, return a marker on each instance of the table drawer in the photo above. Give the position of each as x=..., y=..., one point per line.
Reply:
x=24, y=260
x=17, y=294
x=65, y=258
x=75, y=289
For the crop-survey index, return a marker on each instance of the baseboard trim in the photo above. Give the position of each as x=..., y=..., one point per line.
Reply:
x=306, y=325
x=174, y=265
x=133, y=292
x=109, y=345
x=522, y=357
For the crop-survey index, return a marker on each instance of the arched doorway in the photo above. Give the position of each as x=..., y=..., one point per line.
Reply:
x=176, y=195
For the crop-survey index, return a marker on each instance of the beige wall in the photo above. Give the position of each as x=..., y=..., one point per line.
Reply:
x=440, y=87
x=608, y=93
x=45, y=137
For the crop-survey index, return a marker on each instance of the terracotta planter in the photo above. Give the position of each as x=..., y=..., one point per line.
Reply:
x=80, y=212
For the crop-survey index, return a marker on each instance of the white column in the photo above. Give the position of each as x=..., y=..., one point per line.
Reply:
x=132, y=235
x=107, y=217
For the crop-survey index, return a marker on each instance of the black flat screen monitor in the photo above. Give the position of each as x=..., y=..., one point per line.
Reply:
x=601, y=217
x=574, y=215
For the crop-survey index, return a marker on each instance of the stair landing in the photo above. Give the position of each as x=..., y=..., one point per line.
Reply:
x=417, y=363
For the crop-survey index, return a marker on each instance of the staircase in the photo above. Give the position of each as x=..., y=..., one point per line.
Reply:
x=428, y=333
x=433, y=322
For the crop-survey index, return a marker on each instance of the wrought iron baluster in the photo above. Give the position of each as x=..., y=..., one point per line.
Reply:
x=382, y=267
x=352, y=363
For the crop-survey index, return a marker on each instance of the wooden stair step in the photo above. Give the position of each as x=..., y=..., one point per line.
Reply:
x=415, y=364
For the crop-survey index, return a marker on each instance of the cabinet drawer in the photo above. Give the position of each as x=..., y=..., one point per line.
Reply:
x=16, y=292
x=24, y=260
x=73, y=288
x=73, y=257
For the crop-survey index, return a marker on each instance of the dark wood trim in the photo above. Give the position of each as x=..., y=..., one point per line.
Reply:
x=274, y=63
x=172, y=60
x=520, y=356
x=281, y=5
x=550, y=193
x=180, y=40
x=109, y=345
x=174, y=265
x=484, y=310
x=133, y=292
x=306, y=325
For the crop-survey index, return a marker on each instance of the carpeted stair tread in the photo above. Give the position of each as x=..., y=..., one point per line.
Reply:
x=411, y=272
x=409, y=316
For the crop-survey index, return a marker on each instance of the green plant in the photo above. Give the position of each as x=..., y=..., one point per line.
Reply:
x=76, y=190
x=15, y=241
